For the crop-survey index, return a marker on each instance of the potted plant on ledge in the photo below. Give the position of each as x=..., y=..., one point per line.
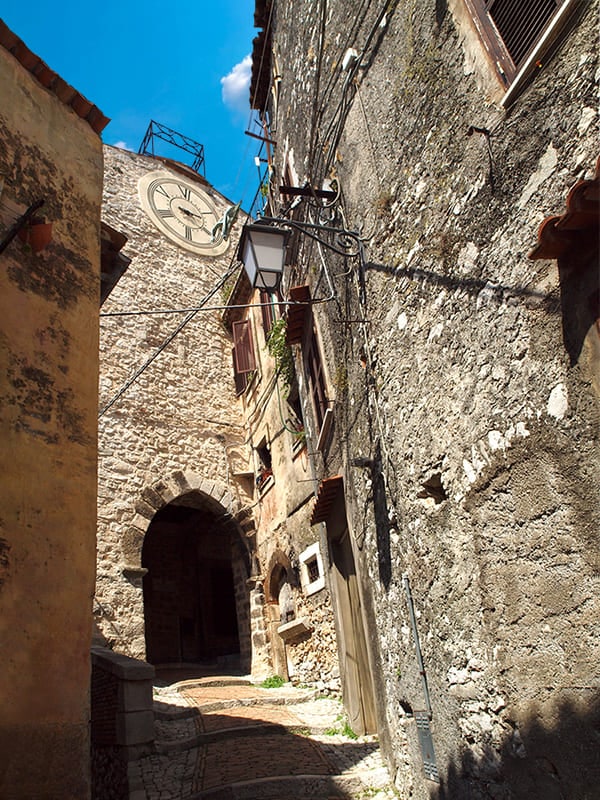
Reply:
x=36, y=234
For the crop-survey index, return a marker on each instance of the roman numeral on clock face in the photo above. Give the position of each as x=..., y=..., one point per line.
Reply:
x=185, y=192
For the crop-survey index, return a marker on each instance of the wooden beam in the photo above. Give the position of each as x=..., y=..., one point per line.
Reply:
x=261, y=138
x=308, y=191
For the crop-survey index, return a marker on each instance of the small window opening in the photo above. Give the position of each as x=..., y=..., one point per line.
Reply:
x=312, y=567
x=406, y=707
x=312, y=573
x=265, y=464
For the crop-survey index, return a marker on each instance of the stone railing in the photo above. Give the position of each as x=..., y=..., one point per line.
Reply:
x=122, y=724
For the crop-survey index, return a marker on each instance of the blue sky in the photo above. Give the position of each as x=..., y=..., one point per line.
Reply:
x=184, y=64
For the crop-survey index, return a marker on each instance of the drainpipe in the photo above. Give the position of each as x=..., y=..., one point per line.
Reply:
x=413, y=622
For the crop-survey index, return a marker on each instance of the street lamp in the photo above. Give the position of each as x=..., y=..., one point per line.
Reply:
x=262, y=252
x=262, y=247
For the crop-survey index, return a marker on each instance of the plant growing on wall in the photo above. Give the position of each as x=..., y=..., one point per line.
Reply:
x=281, y=351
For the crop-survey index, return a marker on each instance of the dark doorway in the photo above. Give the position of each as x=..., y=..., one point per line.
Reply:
x=191, y=602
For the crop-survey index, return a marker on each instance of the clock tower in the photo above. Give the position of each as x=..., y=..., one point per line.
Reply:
x=173, y=563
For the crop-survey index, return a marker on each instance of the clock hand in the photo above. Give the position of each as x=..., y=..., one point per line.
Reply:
x=189, y=213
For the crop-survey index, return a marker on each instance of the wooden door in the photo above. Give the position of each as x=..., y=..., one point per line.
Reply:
x=355, y=669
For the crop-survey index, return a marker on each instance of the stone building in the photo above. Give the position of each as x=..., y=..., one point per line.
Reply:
x=293, y=603
x=455, y=365
x=168, y=509
x=50, y=151
x=205, y=551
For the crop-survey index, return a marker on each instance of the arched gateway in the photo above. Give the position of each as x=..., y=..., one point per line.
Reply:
x=194, y=607
x=193, y=550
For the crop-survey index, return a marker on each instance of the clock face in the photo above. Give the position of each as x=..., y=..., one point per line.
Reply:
x=183, y=211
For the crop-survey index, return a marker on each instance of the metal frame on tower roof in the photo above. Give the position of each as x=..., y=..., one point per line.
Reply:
x=172, y=137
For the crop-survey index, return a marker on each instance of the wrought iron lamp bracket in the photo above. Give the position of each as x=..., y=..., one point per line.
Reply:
x=346, y=243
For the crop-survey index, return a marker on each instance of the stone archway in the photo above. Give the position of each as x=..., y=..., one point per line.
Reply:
x=190, y=546
x=157, y=495
x=279, y=608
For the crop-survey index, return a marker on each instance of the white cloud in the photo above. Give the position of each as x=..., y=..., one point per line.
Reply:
x=236, y=86
x=123, y=146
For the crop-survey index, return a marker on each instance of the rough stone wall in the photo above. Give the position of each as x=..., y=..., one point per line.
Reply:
x=48, y=388
x=180, y=416
x=315, y=661
x=480, y=429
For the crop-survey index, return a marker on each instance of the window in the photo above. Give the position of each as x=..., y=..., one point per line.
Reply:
x=301, y=330
x=269, y=304
x=244, y=362
x=511, y=29
x=312, y=574
x=312, y=568
x=316, y=378
x=265, y=465
x=294, y=420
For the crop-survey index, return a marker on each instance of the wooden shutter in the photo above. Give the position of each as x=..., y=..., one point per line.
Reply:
x=316, y=379
x=271, y=308
x=510, y=29
x=243, y=349
x=241, y=381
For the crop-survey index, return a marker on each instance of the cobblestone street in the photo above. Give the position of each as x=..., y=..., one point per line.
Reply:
x=226, y=739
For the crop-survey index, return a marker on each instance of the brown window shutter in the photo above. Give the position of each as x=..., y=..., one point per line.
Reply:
x=243, y=349
x=269, y=305
x=316, y=379
x=241, y=381
x=266, y=310
x=297, y=315
x=510, y=29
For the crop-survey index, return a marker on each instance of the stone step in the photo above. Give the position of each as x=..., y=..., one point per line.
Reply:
x=294, y=787
x=173, y=745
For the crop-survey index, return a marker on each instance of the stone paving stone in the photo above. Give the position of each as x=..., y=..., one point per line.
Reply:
x=262, y=735
x=262, y=757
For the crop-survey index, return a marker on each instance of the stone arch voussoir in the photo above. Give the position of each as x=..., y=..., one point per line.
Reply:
x=155, y=496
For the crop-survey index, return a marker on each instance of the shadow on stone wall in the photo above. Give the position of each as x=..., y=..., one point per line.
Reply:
x=580, y=301
x=555, y=758
x=473, y=286
x=382, y=520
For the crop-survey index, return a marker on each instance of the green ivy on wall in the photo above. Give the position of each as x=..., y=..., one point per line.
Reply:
x=281, y=351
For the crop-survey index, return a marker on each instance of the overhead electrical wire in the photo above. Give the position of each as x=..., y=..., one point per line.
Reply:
x=168, y=340
x=318, y=165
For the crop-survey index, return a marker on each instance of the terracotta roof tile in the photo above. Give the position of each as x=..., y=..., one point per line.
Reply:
x=326, y=496
x=51, y=80
x=582, y=217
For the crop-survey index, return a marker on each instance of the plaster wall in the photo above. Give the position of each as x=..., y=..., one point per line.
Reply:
x=48, y=388
x=479, y=420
